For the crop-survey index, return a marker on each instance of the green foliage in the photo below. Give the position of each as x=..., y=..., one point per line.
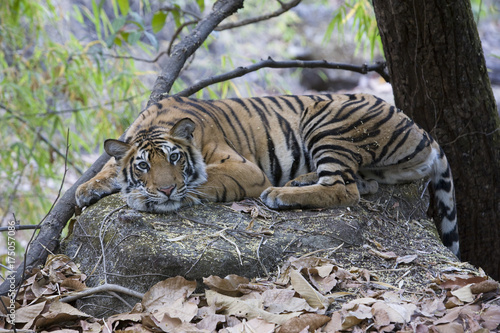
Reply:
x=484, y=9
x=360, y=14
x=52, y=82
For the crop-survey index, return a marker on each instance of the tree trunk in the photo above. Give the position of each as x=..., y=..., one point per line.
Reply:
x=439, y=76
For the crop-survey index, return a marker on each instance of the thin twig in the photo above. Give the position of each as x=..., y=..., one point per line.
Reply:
x=258, y=257
x=102, y=288
x=200, y=256
x=167, y=8
x=161, y=54
x=177, y=33
x=50, y=210
x=121, y=299
x=284, y=8
x=20, y=227
x=270, y=63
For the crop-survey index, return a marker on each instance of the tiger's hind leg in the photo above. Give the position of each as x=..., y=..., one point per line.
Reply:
x=335, y=185
x=365, y=186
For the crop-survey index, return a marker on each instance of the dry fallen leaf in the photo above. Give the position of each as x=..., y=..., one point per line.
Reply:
x=305, y=290
x=59, y=313
x=452, y=302
x=464, y=294
x=210, y=319
x=385, y=313
x=385, y=255
x=323, y=284
x=361, y=312
x=27, y=315
x=283, y=300
x=312, y=321
x=123, y=318
x=458, y=281
x=167, y=292
x=491, y=317
x=335, y=323
x=245, y=309
x=450, y=328
x=228, y=285
x=406, y=259
x=180, y=309
x=253, y=325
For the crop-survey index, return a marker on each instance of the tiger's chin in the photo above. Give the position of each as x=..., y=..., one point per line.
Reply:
x=154, y=206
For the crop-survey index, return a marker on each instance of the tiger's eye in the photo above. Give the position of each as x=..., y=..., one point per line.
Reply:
x=174, y=157
x=143, y=165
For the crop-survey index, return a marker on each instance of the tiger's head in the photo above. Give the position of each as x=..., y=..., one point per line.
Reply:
x=159, y=169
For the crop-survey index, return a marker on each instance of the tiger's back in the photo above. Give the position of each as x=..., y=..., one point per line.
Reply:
x=264, y=130
x=292, y=151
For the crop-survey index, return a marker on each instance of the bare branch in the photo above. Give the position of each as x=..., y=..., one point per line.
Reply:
x=161, y=54
x=270, y=63
x=102, y=288
x=284, y=8
x=20, y=227
x=189, y=44
x=176, y=34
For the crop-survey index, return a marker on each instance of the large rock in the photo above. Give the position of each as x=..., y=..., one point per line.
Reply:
x=115, y=244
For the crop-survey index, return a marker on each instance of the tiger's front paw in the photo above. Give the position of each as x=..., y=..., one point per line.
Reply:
x=279, y=198
x=90, y=192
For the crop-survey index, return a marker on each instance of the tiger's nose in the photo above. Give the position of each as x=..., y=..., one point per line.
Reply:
x=167, y=190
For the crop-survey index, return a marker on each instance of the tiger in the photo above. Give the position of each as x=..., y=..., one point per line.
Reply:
x=292, y=152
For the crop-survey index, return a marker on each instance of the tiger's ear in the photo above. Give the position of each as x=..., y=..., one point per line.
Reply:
x=183, y=129
x=116, y=148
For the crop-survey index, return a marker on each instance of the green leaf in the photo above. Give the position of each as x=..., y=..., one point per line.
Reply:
x=134, y=37
x=152, y=39
x=201, y=5
x=158, y=21
x=118, y=23
x=77, y=14
x=124, y=6
x=95, y=18
x=110, y=40
x=177, y=15
x=136, y=18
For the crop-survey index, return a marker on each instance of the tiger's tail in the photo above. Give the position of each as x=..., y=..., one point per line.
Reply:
x=445, y=207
